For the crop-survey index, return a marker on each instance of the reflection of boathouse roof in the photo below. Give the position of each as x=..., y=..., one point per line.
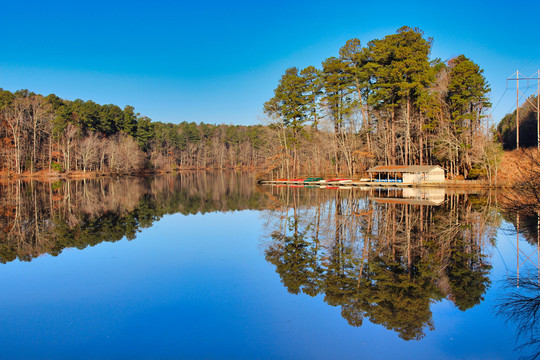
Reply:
x=405, y=168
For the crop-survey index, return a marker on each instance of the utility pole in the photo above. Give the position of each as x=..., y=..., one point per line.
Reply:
x=517, y=110
x=517, y=79
x=517, y=250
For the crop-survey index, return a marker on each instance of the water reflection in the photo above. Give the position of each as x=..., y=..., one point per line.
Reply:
x=521, y=305
x=383, y=255
x=39, y=217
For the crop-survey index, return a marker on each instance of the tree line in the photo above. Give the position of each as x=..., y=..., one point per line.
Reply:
x=528, y=126
x=388, y=103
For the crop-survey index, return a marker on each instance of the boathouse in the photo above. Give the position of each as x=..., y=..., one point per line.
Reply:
x=407, y=174
x=431, y=196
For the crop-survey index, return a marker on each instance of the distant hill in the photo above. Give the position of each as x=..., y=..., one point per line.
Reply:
x=527, y=129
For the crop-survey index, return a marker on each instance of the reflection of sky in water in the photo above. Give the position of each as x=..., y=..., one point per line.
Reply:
x=198, y=286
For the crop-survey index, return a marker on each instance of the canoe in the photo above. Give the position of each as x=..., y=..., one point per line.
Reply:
x=313, y=179
x=341, y=181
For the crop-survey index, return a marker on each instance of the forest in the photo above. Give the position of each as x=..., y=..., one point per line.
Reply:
x=387, y=102
x=528, y=126
x=47, y=133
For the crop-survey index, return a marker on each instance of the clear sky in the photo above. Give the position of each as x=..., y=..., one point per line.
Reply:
x=218, y=62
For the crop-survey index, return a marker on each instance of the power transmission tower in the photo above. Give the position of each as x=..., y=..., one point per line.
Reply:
x=517, y=78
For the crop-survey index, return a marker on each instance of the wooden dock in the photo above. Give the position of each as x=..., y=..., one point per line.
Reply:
x=377, y=184
x=335, y=184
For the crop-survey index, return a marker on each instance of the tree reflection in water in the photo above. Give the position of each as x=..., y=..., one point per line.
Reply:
x=385, y=256
x=44, y=217
x=382, y=255
x=521, y=306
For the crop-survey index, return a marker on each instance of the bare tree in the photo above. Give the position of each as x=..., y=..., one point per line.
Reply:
x=89, y=151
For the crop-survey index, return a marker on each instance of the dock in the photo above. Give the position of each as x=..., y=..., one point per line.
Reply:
x=378, y=184
x=336, y=184
x=386, y=177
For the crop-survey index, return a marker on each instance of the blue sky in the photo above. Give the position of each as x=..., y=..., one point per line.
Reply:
x=218, y=62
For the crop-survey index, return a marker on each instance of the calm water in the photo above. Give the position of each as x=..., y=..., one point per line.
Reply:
x=199, y=266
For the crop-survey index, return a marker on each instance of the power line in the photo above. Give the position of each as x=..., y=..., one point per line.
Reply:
x=500, y=255
x=498, y=102
x=517, y=79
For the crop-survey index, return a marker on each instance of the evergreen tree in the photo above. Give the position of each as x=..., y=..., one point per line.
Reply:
x=338, y=96
x=129, y=120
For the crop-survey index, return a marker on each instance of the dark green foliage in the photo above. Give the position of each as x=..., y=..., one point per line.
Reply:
x=467, y=92
x=129, y=120
x=338, y=94
x=506, y=129
x=6, y=98
x=296, y=262
x=289, y=96
x=400, y=68
x=57, y=167
x=23, y=93
x=468, y=278
x=111, y=116
x=144, y=132
x=190, y=132
x=312, y=90
x=55, y=101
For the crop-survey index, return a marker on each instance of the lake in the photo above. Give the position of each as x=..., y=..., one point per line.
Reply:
x=212, y=266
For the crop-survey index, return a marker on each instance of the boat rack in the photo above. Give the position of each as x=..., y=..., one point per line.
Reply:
x=337, y=184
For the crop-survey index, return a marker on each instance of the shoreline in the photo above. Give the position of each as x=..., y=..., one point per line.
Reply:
x=46, y=176
x=449, y=184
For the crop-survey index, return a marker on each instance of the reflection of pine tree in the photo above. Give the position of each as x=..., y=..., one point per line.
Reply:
x=467, y=274
x=400, y=299
x=385, y=262
x=295, y=259
x=341, y=277
x=292, y=261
